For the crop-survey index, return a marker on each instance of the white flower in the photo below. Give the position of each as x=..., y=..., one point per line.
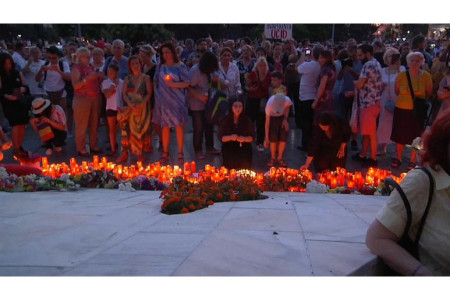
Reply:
x=316, y=187
x=3, y=173
x=65, y=177
x=126, y=187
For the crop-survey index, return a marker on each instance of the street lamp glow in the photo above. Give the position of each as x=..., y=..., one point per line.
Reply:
x=408, y=31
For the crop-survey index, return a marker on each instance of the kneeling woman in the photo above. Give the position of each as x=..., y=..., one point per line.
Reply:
x=329, y=145
x=53, y=115
x=236, y=133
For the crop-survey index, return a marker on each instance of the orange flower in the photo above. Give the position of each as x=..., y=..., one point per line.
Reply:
x=219, y=196
x=184, y=210
x=192, y=207
x=210, y=202
x=233, y=197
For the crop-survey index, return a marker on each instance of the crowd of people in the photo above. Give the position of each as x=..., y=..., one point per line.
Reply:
x=333, y=92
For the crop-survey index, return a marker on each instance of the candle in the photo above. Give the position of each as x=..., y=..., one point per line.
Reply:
x=95, y=162
x=168, y=77
x=334, y=183
x=351, y=184
x=233, y=174
x=207, y=168
x=193, y=167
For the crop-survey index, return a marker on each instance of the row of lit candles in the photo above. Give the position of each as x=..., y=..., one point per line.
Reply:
x=165, y=174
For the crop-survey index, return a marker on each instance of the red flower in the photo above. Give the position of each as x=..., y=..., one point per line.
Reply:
x=184, y=210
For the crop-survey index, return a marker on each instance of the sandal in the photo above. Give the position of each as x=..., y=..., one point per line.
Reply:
x=395, y=163
x=164, y=158
x=411, y=166
x=282, y=163
x=180, y=158
x=271, y=162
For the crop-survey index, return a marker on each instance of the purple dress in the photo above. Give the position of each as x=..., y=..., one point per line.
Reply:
x=325, y=103
x=170, y=103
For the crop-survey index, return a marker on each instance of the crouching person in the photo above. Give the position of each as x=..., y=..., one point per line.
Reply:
x=49, y=122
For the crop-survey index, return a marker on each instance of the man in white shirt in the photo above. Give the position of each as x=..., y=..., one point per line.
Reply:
x=309, y=83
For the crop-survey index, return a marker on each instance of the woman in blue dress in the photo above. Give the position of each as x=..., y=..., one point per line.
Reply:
x=171, y=80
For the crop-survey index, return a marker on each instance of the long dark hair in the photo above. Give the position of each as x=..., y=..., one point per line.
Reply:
x=208, y=63
x=133, y=57
x=329, y=56
x=172, y=49
x=328, y=119
x=3, y=58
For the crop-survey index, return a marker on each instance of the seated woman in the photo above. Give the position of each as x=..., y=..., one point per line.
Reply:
x=53, y=115
x=329, y=144
x=236, y=133
x=434, y=244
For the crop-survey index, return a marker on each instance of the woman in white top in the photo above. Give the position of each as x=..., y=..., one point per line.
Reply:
x=229, y=73
x=392, y=60
x=30, y=71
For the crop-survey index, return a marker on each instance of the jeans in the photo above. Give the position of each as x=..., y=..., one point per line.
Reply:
x=202, y=127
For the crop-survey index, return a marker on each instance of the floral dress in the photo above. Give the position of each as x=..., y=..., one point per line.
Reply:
x=135, y=126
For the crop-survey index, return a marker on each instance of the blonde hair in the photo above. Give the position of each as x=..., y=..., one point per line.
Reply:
x=387, y=57
x=261, y=60
x=37, y=50
x=81, y=51
x=414, y=54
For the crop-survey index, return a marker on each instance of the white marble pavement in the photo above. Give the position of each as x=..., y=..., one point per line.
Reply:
x=113, y=233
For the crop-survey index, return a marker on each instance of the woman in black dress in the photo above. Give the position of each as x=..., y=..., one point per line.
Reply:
x=16, y=110
x=329, y=143
x=236, y=133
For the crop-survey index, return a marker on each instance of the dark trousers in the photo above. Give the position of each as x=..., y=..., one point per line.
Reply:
x=202, y=127
x=58, y=141
x=256, y=115
x=306, y=122
x=293, y=91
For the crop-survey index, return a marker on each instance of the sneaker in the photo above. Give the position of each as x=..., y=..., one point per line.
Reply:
x=213, y=151
x=371, y=162
x=48, y=152
x=200, y=155
x=354, y=146
x=260, y=148
x=357, y=157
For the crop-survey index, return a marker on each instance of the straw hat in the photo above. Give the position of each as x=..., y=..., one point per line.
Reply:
x=39, y=105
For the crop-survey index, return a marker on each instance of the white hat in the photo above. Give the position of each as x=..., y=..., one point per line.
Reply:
x=39, y=105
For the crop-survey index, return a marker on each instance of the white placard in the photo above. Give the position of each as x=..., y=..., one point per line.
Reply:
x=278, y=31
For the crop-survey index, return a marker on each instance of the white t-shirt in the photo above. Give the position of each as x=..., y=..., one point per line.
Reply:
x=30, y=78
x=58, y=115
x=54, y=81
x=277, y=104
x=115, y=100
x=309, y=82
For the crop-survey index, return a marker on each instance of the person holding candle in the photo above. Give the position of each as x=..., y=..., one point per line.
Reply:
x=434, y=245
x=135, y=118
x=170, y=81
x=236, y=133
x=12, y=89
x=329, y=143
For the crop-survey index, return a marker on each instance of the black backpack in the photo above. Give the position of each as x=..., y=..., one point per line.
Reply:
x=68, y=83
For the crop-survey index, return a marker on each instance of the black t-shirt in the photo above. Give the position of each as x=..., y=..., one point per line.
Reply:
x=379, y=56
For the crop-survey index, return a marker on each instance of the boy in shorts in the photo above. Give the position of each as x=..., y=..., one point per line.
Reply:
x=277, y=128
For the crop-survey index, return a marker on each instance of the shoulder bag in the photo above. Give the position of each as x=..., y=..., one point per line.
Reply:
x=420, y=108
x=405, y=241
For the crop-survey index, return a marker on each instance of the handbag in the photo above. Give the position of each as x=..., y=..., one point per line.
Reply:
x=412, y=247
x=420, y=108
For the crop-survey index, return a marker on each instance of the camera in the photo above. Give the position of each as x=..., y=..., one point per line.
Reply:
x=347, y=62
